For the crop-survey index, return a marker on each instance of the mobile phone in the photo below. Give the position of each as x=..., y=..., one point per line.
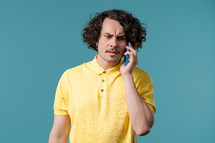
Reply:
x=126, y=57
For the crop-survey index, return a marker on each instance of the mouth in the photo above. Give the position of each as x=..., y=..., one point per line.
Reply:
x=112, y=53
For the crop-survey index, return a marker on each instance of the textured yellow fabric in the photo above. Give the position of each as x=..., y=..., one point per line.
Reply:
x=96, y=103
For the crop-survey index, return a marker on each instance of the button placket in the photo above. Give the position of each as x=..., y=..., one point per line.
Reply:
x=102, y=89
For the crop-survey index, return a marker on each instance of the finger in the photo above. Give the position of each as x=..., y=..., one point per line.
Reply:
x=129, y=45
x=132, y=57
x=127, y=53
x=131, y=54
x=130, y=48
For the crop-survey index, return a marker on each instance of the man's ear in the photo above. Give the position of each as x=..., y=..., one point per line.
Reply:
x=97, y=46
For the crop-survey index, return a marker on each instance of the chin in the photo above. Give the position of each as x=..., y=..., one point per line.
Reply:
x=113, y=60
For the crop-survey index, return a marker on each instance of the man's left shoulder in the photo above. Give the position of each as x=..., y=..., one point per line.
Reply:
x=139, y=74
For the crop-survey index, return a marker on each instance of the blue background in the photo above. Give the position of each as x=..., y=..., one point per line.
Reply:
x=39, y=40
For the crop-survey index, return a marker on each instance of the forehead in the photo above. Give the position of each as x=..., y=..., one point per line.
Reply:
x=112, y=27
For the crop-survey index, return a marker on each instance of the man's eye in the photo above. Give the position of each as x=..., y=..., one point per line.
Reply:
x=121, y=38
x=107, y=36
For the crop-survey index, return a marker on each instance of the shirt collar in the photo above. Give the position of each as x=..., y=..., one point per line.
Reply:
x=99, y=70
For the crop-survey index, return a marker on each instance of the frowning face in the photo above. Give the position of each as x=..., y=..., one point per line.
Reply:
x=111, y=43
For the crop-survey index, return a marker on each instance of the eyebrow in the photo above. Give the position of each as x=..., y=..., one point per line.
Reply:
x=120, y=35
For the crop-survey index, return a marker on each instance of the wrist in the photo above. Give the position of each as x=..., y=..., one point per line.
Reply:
x=127, y=75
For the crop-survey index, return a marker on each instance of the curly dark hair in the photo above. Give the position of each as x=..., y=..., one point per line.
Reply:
x=134, y=31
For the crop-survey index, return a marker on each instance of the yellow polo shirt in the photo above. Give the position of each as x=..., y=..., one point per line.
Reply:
x=95, y=101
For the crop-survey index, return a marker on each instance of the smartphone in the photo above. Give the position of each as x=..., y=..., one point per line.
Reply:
x=126, y=57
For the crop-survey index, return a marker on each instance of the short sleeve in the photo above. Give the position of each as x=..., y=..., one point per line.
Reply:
x=146, y=90
x=61, y=96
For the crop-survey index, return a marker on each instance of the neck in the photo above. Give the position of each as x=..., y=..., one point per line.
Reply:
x=104, y=64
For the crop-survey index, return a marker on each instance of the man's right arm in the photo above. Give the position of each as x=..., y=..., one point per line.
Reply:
x=60, y=129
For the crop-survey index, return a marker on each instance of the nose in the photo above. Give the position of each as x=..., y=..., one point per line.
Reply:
x=113, y=42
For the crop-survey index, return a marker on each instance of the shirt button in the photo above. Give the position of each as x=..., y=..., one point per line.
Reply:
x=103, y=80
x=102, y=90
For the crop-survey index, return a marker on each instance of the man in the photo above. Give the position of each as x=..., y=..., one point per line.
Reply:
x=104, y=100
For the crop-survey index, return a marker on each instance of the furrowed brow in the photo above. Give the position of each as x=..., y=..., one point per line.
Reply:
x=121, y=36
x=107, y=33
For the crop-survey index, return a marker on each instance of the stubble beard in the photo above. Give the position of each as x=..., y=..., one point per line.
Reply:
x=111, y=59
